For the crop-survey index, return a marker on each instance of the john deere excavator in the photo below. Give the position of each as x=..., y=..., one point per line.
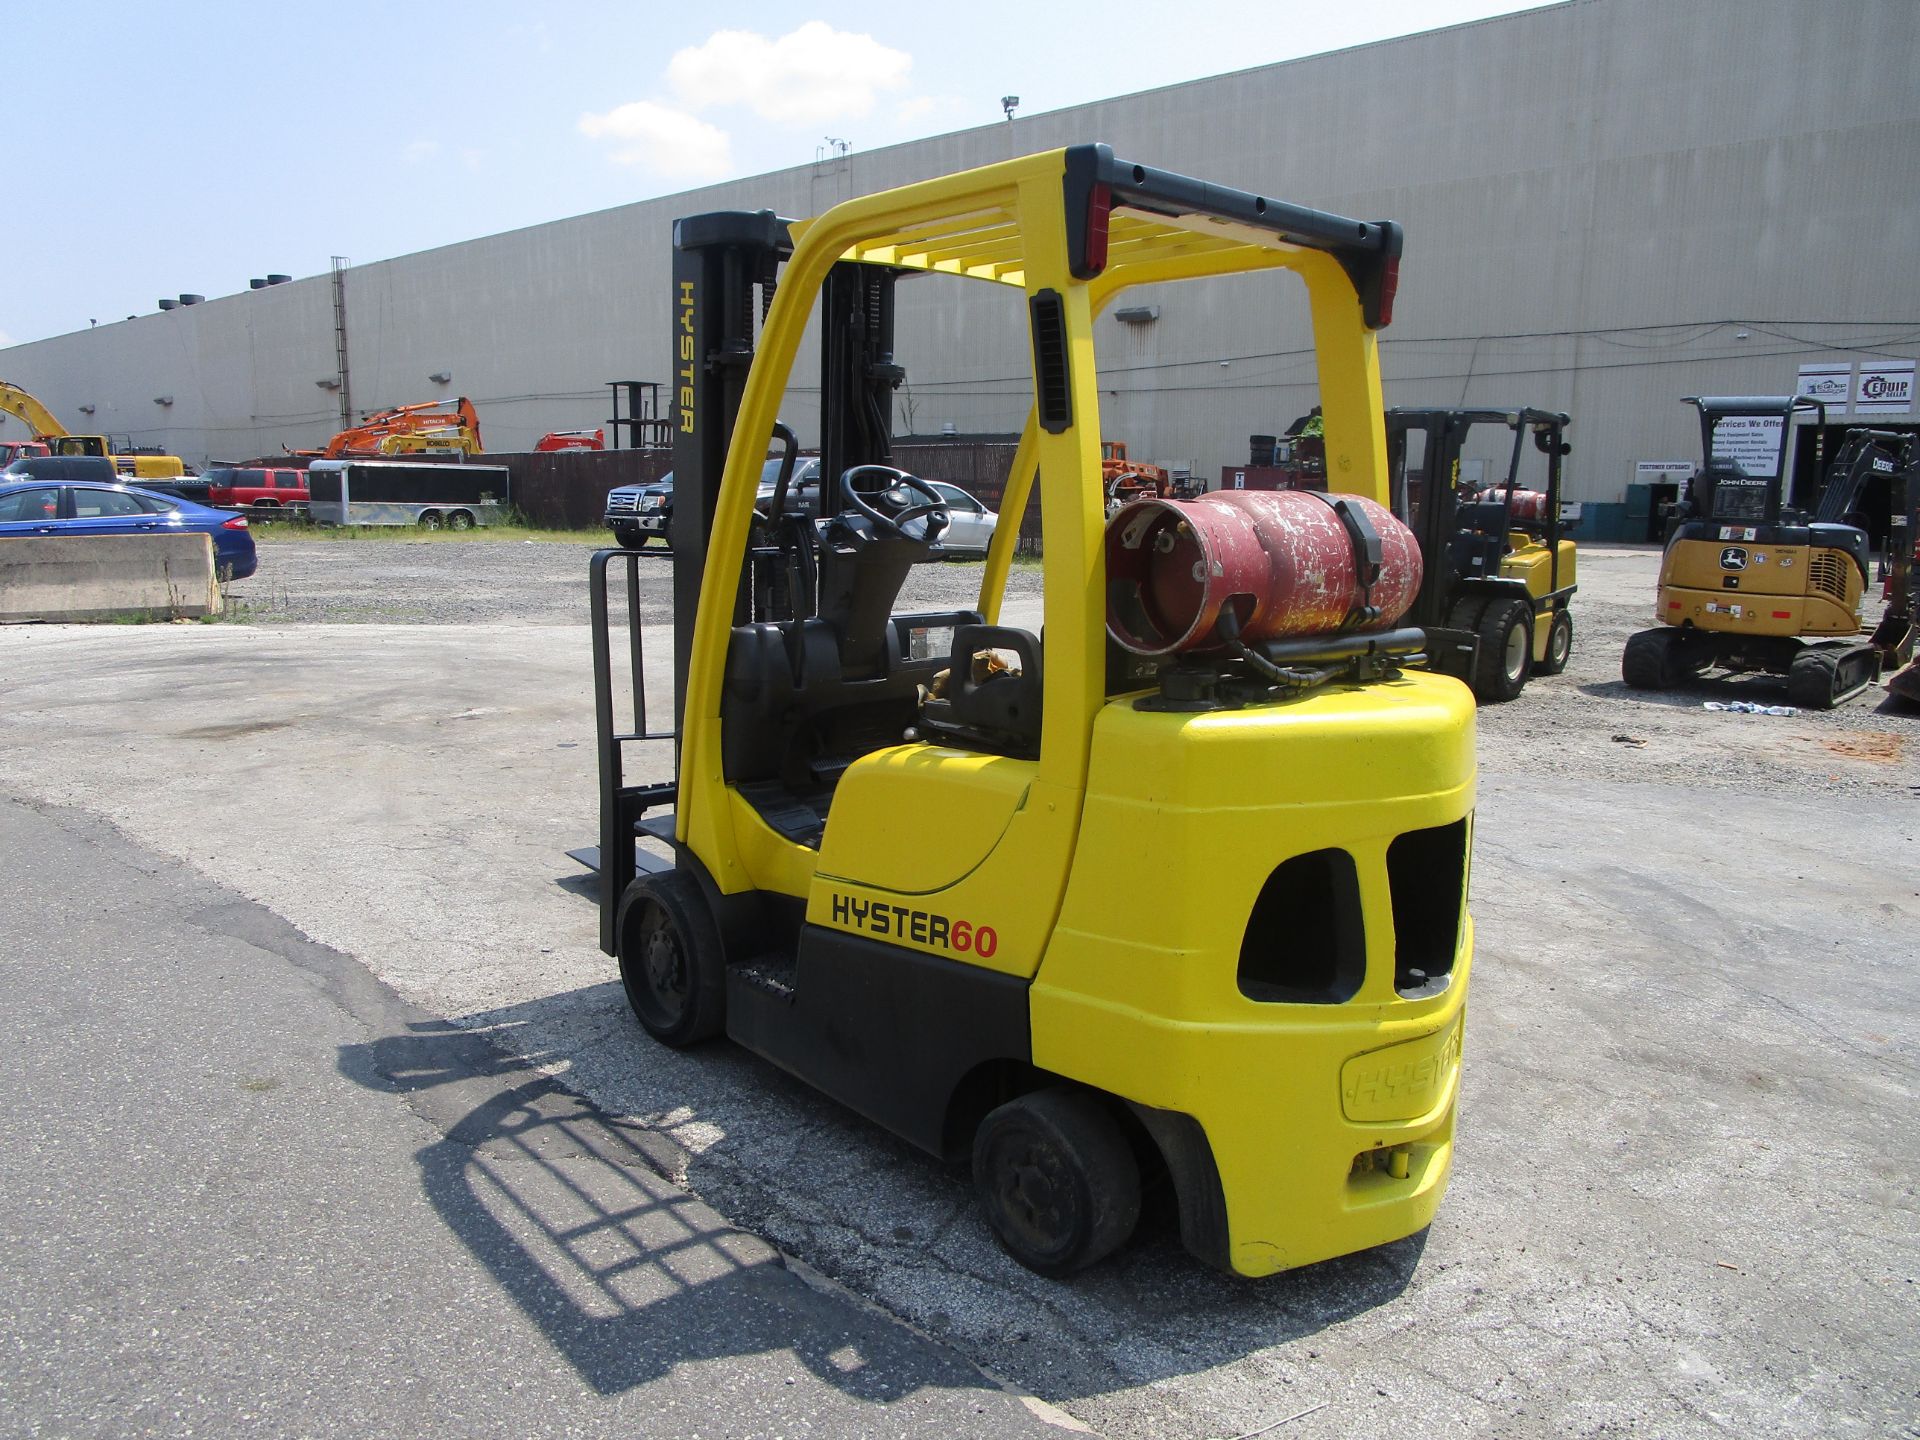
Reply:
x=1496, y=598
x=47, y=431
x=904, y=842
x=1749, y=584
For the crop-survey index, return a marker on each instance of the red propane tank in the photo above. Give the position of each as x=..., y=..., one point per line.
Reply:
x=1529, y=507
x=1283, y=558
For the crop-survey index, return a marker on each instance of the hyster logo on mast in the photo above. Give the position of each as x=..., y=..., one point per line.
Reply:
x=684, y=374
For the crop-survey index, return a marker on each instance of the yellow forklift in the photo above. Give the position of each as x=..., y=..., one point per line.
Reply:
x=1749, y=583
x=905, y=845
x=1500, y=576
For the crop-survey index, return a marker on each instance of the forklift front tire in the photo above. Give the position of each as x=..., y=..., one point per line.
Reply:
x=1506, y=650
x=671, y=961
x=1057, y=1179
x=1559, y=644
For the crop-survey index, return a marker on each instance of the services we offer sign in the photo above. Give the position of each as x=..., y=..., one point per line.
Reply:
x=1884, y=387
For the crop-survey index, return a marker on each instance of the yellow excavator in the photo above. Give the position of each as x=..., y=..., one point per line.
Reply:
x=60, y=441
x=904, y=841
x=1751, y=584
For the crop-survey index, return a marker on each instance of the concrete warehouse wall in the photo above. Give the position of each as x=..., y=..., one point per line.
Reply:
x=1608, y=203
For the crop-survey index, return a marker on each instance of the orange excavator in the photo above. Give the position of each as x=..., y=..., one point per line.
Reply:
x=1125, y=480
x=429, y=428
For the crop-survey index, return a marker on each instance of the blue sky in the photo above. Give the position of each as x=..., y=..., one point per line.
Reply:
x=187, y=148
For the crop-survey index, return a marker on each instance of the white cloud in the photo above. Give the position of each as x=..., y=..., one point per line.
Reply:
x=6, y=340
x=808, y=76
x=418, y=152
x=662, y=139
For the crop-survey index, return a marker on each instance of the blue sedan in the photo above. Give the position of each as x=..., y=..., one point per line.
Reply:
x=38, y=508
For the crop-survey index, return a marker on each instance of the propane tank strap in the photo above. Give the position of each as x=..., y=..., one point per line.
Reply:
x=1365, y=541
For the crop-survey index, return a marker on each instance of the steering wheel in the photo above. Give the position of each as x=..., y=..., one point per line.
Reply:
x=884, y=497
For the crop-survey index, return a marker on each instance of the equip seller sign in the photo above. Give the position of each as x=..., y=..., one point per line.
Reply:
x=1884, y=387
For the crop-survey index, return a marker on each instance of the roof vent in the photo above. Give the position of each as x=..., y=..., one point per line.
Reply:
x=256, y=284
x=278, y=279
x=169, y=304
x=191, y=299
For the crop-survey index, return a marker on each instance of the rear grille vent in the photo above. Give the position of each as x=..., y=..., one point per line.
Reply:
x=1052, y=384
x=1827, y=574
x=1427, y=870
x=1306, y=942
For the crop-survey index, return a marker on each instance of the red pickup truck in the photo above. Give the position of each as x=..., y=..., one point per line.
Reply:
x=246, y=488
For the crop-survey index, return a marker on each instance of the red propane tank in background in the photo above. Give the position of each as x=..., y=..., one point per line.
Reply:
x=1529, y=507
x=1284, y=558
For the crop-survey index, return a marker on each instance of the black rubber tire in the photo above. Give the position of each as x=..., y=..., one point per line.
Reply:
x=1813, y=680
x=460, y=520
x=672, y=965
x=1649, y=662
x=1057, y=1179
x=1559, y=645
x=628, y=538
x=430, y=520
x=1506, y=650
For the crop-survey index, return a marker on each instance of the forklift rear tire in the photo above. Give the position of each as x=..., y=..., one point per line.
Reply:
x=1559, y=644
x=1506, y=650
x=671, y=961
x=1057, y=1179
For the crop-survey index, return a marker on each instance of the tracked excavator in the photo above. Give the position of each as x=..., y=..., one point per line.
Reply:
x=432, y=427
x=1750, y=584
x=58, y=440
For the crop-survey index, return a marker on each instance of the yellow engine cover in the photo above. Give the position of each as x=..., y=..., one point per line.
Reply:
x=1753, y=588
x=1187, y=816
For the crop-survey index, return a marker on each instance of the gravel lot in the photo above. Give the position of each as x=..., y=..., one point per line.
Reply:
x=1582, y=722
x=1681, y=1205
x=468, y=582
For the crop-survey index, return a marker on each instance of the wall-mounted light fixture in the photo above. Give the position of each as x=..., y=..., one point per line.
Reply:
x=1138, y=315
x=1741, y=335
x=1009, y=103
x=441, y=377
x=163, y=399
x=86, y=409
x=328, y=382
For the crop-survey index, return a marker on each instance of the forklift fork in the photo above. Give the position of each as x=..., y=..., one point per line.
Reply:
x=623, y=807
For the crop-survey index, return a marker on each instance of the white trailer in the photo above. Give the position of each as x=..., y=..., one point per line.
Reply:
x=406, y=492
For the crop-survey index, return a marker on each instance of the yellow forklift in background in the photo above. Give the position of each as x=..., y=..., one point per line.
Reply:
x=1496, y=599
x=905, y=844
x=1751, y=584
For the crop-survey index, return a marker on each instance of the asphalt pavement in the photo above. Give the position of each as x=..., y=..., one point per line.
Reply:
x=250, y=1190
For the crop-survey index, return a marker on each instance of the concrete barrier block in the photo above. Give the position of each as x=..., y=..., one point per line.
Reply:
x=100, y=577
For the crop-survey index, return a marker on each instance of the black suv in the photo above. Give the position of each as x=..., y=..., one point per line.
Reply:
x=636, y=513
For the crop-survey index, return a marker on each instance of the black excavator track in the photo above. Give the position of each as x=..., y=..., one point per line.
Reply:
x=1823, y=676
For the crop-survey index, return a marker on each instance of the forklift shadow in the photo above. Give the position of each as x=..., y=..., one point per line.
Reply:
x=627, y=1274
